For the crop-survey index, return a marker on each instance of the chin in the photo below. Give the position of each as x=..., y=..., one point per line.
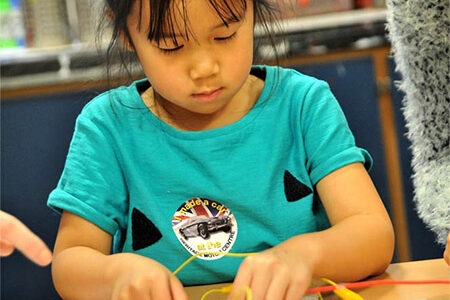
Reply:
x=206, y=110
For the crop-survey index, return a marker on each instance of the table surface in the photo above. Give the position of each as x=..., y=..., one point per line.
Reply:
x=434, y=269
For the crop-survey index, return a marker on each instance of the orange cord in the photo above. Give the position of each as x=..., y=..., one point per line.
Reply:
x=362, y=284
x=341, y=289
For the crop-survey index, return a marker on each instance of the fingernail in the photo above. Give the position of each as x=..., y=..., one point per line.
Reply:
x=45, y=257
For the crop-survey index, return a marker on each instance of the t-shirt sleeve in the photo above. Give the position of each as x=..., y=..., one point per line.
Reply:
x=92, y=184
x=328, y=141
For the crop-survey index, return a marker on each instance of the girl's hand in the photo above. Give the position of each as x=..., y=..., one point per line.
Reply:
x=145, y=279
x=273, y=275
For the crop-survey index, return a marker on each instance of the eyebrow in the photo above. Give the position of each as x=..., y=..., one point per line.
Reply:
x=220, y=25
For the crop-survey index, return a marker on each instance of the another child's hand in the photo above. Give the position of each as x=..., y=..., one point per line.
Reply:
x=14, y=234
x=447, y=250
x=273, y=275
x=145, y=279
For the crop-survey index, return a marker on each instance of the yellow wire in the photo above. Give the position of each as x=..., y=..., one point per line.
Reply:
x=227, y=289
x=343, y=292
x=248, y=293
x=210, y=292
x=210, y=253
x=329, y=281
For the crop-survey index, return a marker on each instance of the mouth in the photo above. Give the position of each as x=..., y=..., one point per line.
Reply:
x=208, y=96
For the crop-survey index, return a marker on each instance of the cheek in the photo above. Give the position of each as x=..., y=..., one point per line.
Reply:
x=170, y=89
x=240, y=60
x=242, y=51
x=157, y=74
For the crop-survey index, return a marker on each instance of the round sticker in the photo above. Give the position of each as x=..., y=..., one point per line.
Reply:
x=203, y=225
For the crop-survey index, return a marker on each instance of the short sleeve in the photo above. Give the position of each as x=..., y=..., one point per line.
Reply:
x=92, y=184
x=328, y=141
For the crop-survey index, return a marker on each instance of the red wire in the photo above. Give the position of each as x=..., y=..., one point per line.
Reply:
x=361, y=284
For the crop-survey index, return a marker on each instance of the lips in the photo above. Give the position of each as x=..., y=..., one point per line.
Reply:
x=207, y=96
x=207, y=92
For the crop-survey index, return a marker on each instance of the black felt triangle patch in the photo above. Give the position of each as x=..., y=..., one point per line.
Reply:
x=144, y=231
x=293, y=188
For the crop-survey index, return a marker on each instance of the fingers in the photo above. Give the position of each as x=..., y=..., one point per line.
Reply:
x=279, y=285
x=162, y=290
x=145, y=279
x=242, y=279
x=299, y=282
x=266, y=278
x=15, y=233
x=297, y=288
x=177, y=289
x=6, y=248
x=260, y=283
x=271, y=278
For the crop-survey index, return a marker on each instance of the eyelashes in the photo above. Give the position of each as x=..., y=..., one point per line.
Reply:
x=219, y=39
x=168, y=51
x=228, y=38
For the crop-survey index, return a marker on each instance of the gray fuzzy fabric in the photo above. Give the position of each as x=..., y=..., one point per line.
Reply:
x=419, y=31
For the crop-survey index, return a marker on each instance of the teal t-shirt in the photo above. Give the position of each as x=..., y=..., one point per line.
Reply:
x=245, y=187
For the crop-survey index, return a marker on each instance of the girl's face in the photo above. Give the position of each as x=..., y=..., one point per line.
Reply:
x=204, y=74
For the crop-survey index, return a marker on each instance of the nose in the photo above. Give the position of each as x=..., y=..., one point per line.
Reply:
x=204, y=65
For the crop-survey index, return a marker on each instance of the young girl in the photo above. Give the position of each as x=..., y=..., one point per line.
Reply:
x=210, y=153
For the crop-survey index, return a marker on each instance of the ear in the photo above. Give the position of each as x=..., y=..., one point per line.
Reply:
x=122, y=36
x=110, y=14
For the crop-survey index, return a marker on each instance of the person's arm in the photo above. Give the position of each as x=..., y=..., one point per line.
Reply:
x=83, y=268
x=359, y=243
x=14, y=234
x=447, y=250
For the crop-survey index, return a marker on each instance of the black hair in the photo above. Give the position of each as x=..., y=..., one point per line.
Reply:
x=162, y=23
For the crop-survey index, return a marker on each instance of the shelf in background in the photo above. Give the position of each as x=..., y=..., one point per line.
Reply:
x=307, y=23
x=308, y=35
x=330, y=20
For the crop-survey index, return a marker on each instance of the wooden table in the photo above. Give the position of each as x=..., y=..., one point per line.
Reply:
x=435, y=269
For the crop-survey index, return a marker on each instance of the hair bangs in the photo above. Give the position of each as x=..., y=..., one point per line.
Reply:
x=229, y=10
x=169, y=19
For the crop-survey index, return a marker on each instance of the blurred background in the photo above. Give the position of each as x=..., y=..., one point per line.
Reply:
x=51, y=65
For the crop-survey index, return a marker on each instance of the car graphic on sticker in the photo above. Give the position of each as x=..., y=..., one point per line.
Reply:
x=203, y=226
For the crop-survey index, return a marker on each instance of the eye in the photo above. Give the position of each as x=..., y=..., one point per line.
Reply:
x=169, y=51
x=227, y=38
